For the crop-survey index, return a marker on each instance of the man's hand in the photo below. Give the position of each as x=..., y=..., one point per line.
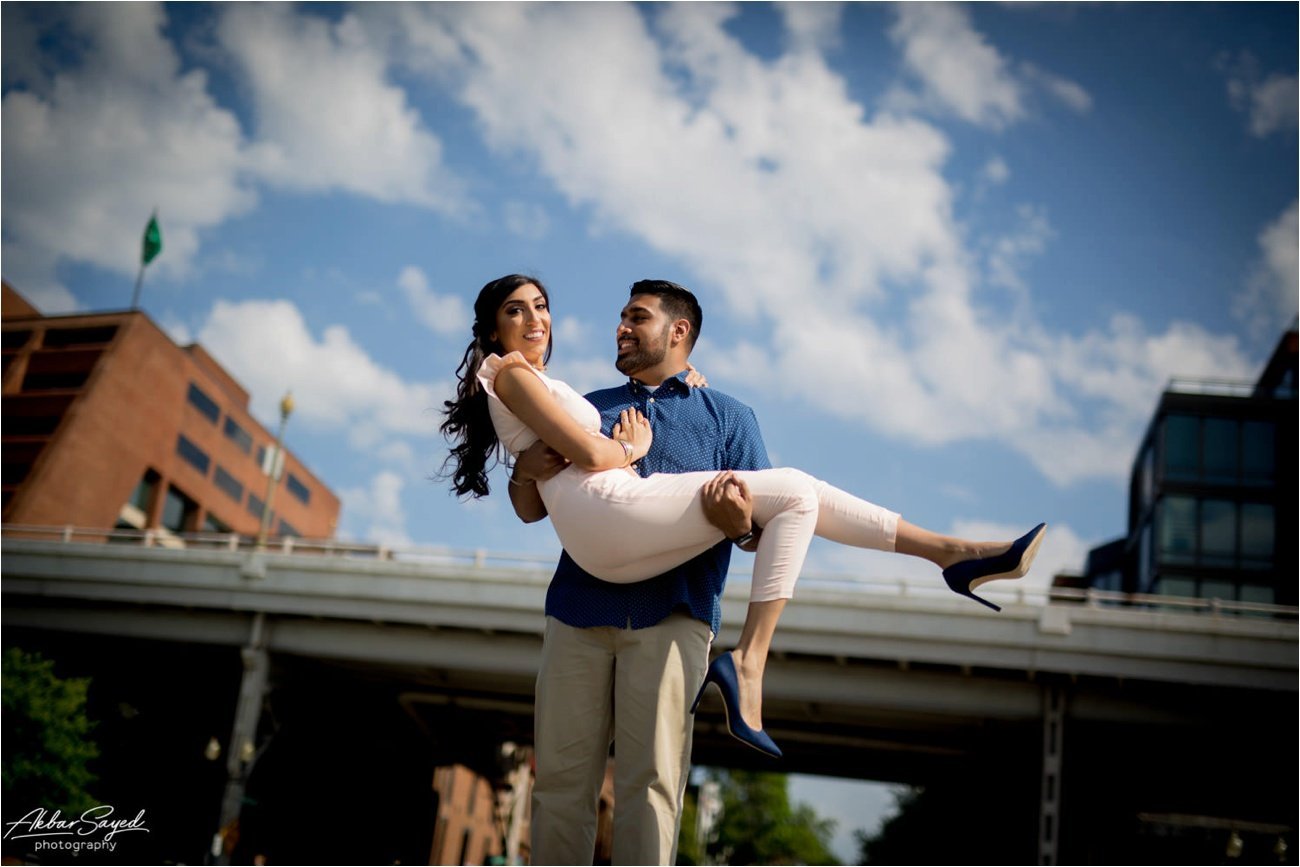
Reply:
x=728, y=504
x=537, y=463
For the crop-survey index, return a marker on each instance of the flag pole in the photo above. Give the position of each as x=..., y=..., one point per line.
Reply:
x=150, y=246
x=135, y=296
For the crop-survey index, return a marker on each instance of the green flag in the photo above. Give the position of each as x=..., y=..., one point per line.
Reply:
x=152, y=241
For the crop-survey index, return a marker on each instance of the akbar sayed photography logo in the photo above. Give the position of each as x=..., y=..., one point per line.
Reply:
x=95, y=830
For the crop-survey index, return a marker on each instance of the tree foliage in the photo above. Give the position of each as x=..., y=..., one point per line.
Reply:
x=759, y=825
x=47, y=736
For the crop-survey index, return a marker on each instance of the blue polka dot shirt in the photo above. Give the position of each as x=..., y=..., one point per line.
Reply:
x=694, y=429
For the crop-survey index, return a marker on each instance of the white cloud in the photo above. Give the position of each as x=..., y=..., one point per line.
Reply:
x=527, y=220
x=1008, y=255
x=957, y=68
x=441, y=314
x=327, y=118
x=375, y=513
x=1269, y=301
x=768, y=182
x=90, y=151
x=1070, y=93
x=1271, y=103
x=996, y=171
x=336, y=385
x=812, y=26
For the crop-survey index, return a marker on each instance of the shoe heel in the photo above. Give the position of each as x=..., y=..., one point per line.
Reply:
x=983, y=601
x=699, y=695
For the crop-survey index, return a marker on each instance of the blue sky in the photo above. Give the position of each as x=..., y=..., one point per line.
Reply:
x=950, y=254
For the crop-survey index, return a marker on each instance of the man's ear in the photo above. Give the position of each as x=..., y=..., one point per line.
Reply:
x=681, y=331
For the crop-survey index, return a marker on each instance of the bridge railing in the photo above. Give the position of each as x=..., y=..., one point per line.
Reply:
x=478, y=558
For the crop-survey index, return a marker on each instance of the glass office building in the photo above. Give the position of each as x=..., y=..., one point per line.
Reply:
x=1212, y=499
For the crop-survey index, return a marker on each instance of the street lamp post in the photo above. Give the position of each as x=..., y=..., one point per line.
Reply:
x=277, y=463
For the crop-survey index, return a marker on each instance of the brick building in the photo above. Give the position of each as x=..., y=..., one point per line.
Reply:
x=108, y=423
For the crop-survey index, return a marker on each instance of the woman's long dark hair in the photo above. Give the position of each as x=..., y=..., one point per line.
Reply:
x=468, y=424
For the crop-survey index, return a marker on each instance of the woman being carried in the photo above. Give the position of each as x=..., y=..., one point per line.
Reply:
x=623, y=528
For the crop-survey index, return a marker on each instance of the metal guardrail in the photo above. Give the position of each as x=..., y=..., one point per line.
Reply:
x=1221, y=387
x=479, y=558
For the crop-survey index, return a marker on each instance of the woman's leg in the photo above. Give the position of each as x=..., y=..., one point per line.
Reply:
x=793, y=506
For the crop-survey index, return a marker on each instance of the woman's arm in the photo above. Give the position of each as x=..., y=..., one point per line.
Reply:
x=526, y=396
x=536, y=463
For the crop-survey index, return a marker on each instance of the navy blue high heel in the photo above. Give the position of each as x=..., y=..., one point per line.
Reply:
x=965, y=576
x=722, y=671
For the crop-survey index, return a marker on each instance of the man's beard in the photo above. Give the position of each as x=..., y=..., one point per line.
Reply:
x=643, y=357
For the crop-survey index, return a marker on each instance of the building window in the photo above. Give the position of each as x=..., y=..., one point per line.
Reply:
x=1177, y=520
x=298, y=489
x=145, y=490
x=238, y=435
x=229, y=484
x=256, y=506
x=213, y=525
x=1181, y=446
x=179, y=511
x=1176, y=585
x=192, y=454
x=1219, y=454
x=204, y=404
x=1258, y=452
x=1257, y=534
x=287, y=529
x=1259, y=593
x=58, y=338
x=1218, y=532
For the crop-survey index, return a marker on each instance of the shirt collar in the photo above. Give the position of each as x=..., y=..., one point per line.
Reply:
x=677, y=382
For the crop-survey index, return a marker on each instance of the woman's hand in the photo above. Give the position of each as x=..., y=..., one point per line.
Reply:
x=694, y=378
x=632, y=427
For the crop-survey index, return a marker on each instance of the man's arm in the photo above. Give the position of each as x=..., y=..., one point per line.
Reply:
x=537, y=463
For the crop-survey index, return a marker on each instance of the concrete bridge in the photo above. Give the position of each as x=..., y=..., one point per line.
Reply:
x=883, y=681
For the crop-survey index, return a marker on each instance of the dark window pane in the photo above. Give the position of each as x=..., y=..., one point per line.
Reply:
x=298, y=489
x=1218, y=532
x=1257, y=532
x=229, y=484
x=193, y=455
x=16, y=339
x=1177, y=529
x=1258, y=450
x=287, y=529
x=142, y=496
x=1174, y=585
x=1257, y=593
x=213, y=525
x=1181, y=446
x=178, y=511
x=255, y=507
x=204, y=404
x=1215, y=589
x=238, y=435
x=60, y=337
x=1220, y=457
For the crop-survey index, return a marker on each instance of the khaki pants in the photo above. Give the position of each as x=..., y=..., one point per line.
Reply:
x=631, y=686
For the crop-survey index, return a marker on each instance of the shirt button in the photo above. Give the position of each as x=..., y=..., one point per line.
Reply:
x=652, y=400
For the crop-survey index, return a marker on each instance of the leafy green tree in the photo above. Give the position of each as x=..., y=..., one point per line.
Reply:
x=47, y=743
x=966, y=820
x=759, y=825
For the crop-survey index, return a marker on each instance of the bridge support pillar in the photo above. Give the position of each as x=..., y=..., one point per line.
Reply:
x=243, y=750
x=1049, y=823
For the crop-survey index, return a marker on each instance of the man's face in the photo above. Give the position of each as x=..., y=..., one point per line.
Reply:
x=642, y=335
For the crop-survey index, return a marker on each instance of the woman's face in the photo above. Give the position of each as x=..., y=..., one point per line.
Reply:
x=524, y=324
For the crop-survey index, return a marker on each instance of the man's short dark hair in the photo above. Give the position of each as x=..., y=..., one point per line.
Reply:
x=677, y=302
